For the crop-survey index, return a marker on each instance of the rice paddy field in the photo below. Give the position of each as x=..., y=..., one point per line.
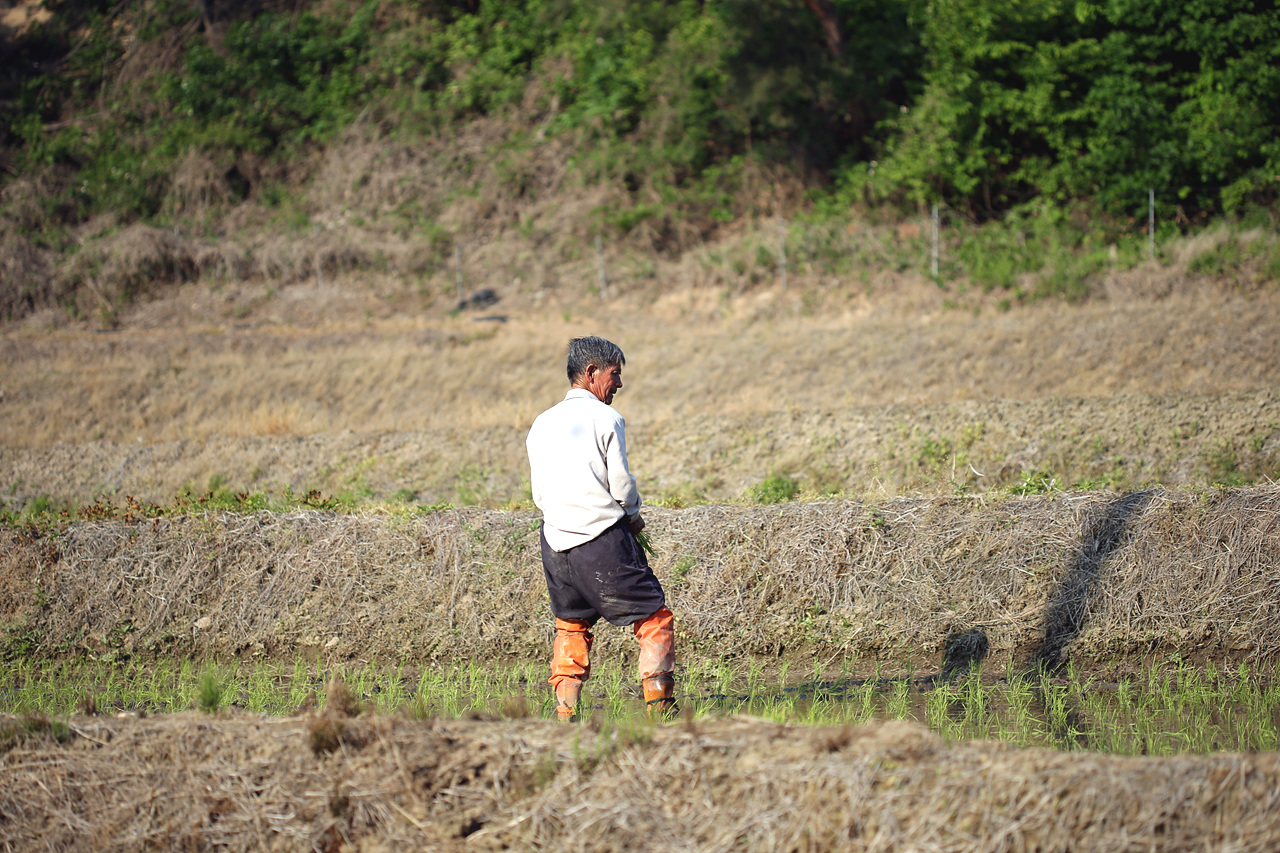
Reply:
x=1161, y=711
x=947, y=576
x=1049, y=671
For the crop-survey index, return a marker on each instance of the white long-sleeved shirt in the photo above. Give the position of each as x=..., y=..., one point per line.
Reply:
x=578, y=469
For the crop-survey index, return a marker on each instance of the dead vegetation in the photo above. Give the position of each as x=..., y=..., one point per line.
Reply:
x=314, y=387
x=142, y=262
x=1099, y=579
x=235, y=782
x=1124, y=442
x=522, y=214
x=25, y=270
x=364, y=205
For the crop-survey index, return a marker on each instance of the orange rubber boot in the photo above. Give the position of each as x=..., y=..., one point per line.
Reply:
x=570, y=665
x=568, y=692
x=657, y=637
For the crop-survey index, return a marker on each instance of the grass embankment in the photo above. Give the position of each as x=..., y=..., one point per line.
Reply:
x=1092, y=577
x=244, y=783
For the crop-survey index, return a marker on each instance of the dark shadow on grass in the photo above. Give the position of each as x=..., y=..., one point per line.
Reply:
x=963, y=651
x=1069, y=606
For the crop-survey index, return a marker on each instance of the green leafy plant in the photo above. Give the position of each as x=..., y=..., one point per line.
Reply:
x=643, y=540
x=776, y=488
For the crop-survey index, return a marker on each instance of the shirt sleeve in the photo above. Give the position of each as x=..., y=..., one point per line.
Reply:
x=622, y=485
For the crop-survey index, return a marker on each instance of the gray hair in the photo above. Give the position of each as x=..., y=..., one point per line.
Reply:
x=592, y=350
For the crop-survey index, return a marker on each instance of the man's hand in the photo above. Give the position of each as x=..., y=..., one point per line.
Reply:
x=636, y=524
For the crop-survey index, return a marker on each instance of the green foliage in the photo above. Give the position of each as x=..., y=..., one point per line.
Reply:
x=1222, y=260
x=1036, y=482
x=1239, y=261
x=1072, y=273
x=668, y=91
x=1223, y=465
x=934, y=453
x=1097, y=100
x=276, y=78
x=18, y=641
x=485, y=58
x=46, y=514
x=984, y=105
x=1170, y=708
x=211, y=692
x=643, y=540
x=32, y=726
x=36, y=511
x=774, y=489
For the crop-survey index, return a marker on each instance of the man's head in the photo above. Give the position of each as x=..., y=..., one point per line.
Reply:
x=596, y=365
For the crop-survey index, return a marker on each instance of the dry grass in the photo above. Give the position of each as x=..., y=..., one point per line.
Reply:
x=198, y=183
x=136, y=262
x=243, y=783
x=718, y=395
x=1127, y=441
x=24, y=276
x=1094, y=578
x=142, y=263
x=268, y=420
x=403, y=374
x=312, y=348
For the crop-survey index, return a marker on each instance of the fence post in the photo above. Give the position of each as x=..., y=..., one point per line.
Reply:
x=933, y=263
x=1151, y=224
x=457, y=267
x=604, y=279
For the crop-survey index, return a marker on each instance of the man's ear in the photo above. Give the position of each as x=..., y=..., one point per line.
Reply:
x=591, y=370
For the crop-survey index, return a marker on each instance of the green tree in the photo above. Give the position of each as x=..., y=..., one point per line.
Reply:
x=1089, y=101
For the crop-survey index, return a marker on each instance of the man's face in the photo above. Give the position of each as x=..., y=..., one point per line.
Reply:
x=604, y=382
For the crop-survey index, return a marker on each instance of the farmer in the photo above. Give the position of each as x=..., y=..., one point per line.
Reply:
x=594, y=566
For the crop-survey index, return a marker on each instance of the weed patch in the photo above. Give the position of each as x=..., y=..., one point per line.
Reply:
x=774, y=489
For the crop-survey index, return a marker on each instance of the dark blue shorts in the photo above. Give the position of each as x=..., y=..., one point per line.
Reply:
x=608, y=577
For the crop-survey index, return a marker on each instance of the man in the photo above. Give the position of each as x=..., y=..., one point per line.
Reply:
x=593, y=564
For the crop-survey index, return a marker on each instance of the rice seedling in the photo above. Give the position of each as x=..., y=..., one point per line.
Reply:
x=866, y=702
x=212, y=691
x=1163, y=711
x=897, y=703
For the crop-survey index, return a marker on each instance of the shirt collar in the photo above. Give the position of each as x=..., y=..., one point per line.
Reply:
x=580, y=393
